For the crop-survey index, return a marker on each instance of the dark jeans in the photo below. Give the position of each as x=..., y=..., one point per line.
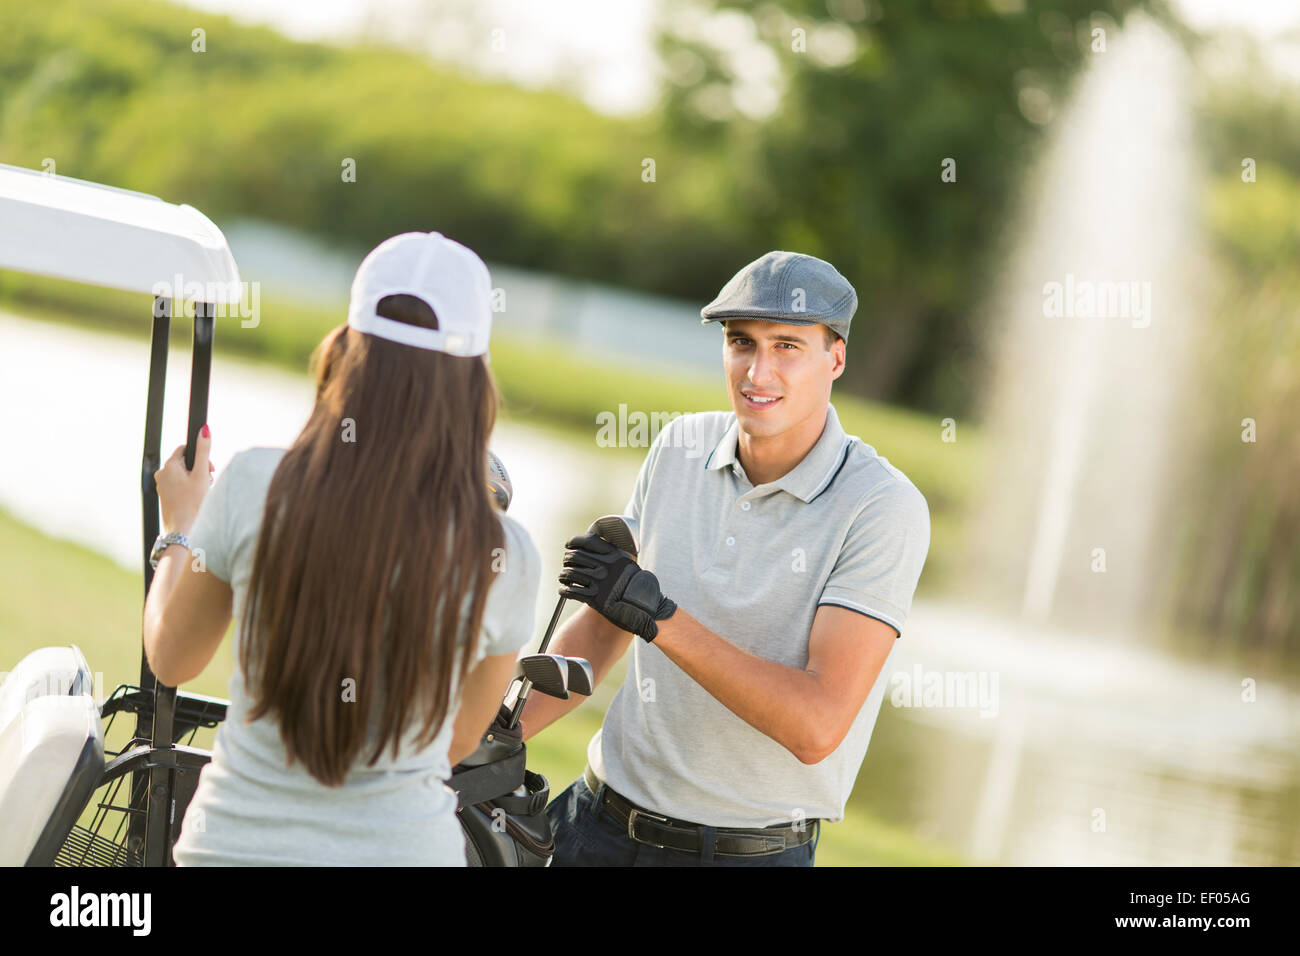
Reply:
x=587, y=836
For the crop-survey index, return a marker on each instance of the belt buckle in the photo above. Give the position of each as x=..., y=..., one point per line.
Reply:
x=633, y=813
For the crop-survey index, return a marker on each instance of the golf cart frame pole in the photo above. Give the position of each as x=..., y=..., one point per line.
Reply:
x=153, y=828
x=150, y=462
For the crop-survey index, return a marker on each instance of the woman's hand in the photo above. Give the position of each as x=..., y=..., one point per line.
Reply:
x=180, y=491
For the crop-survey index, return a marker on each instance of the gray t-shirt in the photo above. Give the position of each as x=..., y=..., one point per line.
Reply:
x=753, y=564
x=251, y=809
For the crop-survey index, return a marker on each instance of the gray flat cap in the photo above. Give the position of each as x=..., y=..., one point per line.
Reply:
x=787, y=287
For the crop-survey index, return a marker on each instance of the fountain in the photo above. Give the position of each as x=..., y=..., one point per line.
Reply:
x=1090, y=333
x=1104, y=749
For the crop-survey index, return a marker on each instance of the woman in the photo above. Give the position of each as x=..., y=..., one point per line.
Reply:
x=373, y=582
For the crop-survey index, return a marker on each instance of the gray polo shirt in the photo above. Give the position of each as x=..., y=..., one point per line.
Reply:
x=844, y=527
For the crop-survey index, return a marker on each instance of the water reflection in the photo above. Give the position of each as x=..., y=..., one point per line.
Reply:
x=1102, y=751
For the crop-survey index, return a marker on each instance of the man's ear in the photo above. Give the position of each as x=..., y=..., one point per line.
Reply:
x=837, y=351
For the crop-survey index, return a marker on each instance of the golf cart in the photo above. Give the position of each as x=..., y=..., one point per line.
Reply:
x=53, y=761
x=66, y=799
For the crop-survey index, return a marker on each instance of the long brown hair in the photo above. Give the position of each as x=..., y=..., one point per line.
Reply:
x=378, y=535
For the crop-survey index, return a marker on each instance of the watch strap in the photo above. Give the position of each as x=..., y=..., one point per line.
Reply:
x=163, y=542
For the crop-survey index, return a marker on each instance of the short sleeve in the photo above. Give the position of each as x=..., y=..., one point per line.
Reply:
x=212, y=533
x=880, y=563
x=508, y=615
x=636, y=504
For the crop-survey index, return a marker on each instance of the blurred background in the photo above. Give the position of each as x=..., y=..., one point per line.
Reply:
x=1115, y=554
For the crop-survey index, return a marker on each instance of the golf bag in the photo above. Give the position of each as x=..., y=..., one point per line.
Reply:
x=501, y=804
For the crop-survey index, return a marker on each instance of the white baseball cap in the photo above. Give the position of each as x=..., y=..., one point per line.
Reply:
x=451, y=278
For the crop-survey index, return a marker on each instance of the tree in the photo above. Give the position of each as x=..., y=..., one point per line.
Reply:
x=874, y=102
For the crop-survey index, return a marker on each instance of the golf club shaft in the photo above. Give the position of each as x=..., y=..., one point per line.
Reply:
x=550, y=628
x=612, y=528
x=517, y=710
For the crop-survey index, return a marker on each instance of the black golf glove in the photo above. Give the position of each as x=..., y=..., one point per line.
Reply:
x=610, y=581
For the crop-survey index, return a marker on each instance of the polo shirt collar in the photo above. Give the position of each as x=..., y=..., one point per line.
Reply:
x=805, y=480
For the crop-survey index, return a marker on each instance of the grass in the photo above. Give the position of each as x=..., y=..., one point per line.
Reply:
x=59, y=593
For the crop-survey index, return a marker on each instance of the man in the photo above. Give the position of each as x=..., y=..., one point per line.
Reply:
x=776, y=569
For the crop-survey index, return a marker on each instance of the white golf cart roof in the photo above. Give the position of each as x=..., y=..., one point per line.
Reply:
x=101, y=235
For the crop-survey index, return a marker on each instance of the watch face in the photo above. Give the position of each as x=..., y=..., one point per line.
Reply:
x=162, y=542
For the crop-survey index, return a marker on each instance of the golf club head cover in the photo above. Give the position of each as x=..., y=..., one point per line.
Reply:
x=501, y=725
x=504, y=741
x=610, y=581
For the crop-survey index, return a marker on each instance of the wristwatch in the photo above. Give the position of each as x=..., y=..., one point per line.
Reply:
x=163, y=542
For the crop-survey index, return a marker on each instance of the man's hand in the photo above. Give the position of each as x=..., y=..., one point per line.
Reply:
x=610, y=581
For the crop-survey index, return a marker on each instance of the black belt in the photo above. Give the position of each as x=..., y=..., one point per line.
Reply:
x=657, y=830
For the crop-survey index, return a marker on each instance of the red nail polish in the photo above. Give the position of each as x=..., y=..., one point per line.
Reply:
x=206, y=433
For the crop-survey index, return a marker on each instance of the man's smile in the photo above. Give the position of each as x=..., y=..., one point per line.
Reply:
x=759, y=400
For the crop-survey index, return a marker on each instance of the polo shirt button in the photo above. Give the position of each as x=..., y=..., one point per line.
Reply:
x=730, y=542
x=744, y=506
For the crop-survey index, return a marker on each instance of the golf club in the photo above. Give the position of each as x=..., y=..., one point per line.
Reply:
x=581, y=678
x=558, y=676
x=498, y=482
x=618, y=530
x=548, y=673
